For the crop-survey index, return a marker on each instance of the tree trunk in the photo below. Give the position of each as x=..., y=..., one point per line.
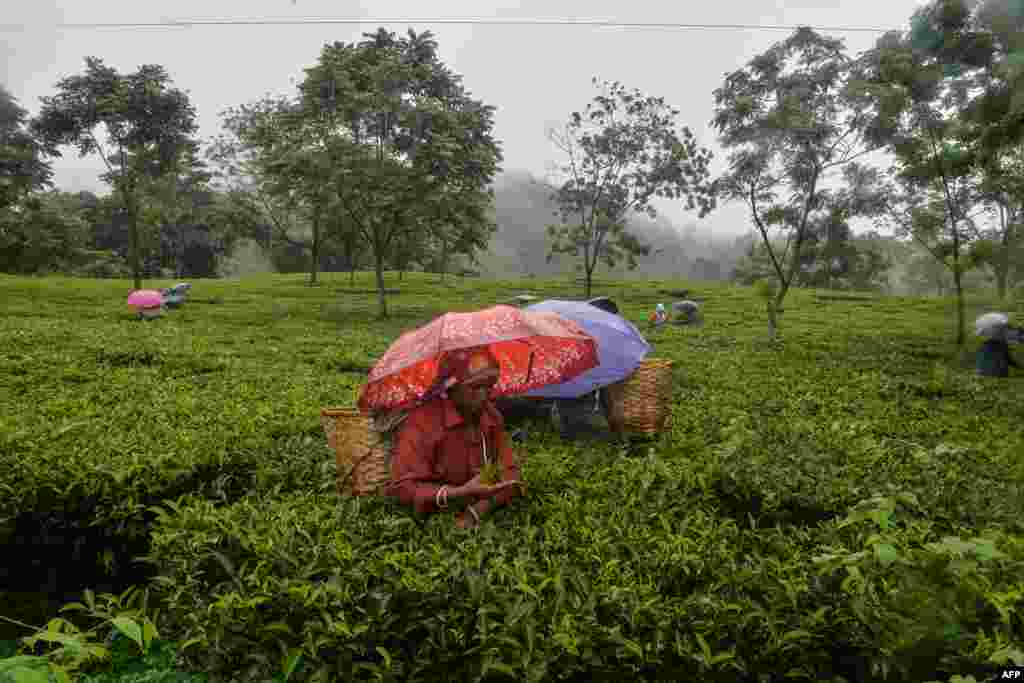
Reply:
x=1002, y=262
x=1001, y=273
x=960, y=310
x=350, y=260
x=382, y=310
x=133, y=240
x=314, y=264
x=588, y=276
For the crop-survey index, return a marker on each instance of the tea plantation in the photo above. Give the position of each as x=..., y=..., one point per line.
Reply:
x=843, y=505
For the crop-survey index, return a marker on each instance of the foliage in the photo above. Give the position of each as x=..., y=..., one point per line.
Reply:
x=262, y=214
x=939, y=97
x=789, y=121
x=388, y=135
x=46, y=233
x=623, y=152
x=147, y=123
x=847, y=263
x=123, y=631
x=23, y=167
x=694, y=552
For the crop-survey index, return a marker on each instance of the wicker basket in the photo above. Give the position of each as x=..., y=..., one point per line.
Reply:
x=361, y=452
x=640, y=403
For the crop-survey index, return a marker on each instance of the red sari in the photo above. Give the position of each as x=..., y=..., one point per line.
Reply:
x=436, y=446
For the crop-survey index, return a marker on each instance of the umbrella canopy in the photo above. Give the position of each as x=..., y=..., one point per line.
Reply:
x=620, y=348
x=534, y=350
x=145, y=298
x=991, y=324
x=605, y=304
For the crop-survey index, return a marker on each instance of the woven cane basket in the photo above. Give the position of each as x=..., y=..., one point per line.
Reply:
x=361, y=452
x=641, y=403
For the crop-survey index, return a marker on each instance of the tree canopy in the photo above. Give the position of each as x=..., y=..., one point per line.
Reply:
x=787, y=119
x=621, y=153
x=147, y=122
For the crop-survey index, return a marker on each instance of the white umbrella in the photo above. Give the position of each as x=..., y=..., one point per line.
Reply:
x=991, y=324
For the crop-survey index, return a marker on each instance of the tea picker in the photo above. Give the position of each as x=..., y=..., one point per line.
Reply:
x=173, y=297
x=687, y=312
x=659, y=317
x=431, y=396
x=993, y=358
x=148, y=303
x=621, y=349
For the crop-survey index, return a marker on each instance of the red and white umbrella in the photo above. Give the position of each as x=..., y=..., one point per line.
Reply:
x=534, y=350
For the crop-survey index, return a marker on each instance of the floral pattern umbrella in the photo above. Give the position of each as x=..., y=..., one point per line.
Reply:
x=534, y=350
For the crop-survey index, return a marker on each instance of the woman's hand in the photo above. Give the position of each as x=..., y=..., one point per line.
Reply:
x=475, y=489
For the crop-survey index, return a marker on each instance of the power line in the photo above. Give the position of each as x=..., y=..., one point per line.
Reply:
x=189, y=23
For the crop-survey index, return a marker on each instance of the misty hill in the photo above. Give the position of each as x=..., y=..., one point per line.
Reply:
x=523, y=209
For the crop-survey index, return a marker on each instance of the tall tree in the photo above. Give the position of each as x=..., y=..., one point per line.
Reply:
x=623, y=152
x=980, y=45
x=406, y=129
x=917, y=93
x=146, y=120
x=787, y=118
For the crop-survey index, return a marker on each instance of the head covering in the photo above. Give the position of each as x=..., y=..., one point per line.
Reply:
x=992, y=325
x=458, y=366
x=660, y=308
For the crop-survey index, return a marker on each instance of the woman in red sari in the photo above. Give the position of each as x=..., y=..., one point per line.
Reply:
x=443, y=442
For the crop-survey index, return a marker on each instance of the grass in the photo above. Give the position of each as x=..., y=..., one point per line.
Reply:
x=103, y=416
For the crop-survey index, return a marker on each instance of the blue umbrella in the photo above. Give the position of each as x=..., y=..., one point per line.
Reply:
x=620, y=348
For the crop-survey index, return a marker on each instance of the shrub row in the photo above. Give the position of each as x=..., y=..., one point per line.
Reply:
x=615, y=565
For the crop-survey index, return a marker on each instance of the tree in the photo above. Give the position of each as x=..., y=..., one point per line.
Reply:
x=787, y=117
x=146, y=121
x=23, y=168
x=1002, y=188
x=402, y=130
x=239, y=157
x=916, y=96
x=462, y=223
x=623, y=152
x=44, y=232
x=977, y=45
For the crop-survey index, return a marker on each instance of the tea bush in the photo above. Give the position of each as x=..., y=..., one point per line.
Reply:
x=842, y=504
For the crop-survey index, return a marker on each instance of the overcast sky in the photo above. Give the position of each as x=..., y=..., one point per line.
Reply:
x=534, y=75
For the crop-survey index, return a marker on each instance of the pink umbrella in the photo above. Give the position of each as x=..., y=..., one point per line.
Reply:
x=144, y=299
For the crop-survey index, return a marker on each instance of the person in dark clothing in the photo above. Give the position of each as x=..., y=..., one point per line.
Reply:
x=994, y=359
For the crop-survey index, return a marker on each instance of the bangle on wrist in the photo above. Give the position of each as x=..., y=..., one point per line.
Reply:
x=476, y=515
x=441, y=497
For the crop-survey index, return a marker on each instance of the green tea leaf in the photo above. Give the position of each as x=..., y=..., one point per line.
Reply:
x=130, y=629
x=886, y=553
